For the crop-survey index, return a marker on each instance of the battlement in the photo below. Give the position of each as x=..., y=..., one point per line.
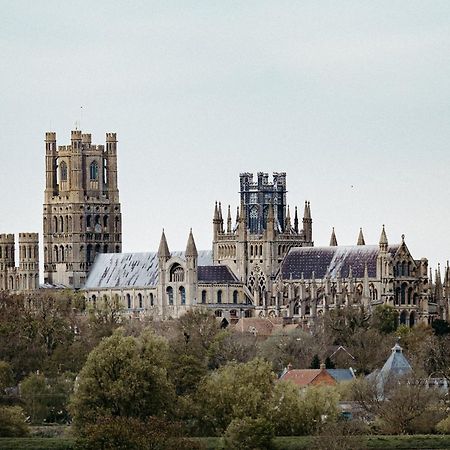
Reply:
x=86, y=138
x=30, y=238
x=50, y=136
x=63, y=148
x=111, y=137
x=75, y=135
x=246, y=180
x=7, y=239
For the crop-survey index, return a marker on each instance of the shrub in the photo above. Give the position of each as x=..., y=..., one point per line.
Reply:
x=249, y=434
x=444, y=426
x=128, y=433
x=12, y=422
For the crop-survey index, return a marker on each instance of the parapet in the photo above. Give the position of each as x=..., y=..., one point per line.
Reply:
x=75, y=135
x=50, y=136
x=86, y=138
x=111, y=137
x=7, y=238
x=30, y=238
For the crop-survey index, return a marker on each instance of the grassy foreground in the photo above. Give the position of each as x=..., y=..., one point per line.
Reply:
x=423, y=442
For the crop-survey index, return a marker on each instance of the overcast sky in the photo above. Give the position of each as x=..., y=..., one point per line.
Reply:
x=350, y=98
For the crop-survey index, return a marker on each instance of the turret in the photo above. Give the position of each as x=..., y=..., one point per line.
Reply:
x=111, y=166
x=76, y=163
x=50, y=164
x=191, y=256
x=307, y=222
x=229, y=220
x=288, y=225
x=29, y=260
x=216, y=222
x=333, y=240
x=270, y=229
x=361, y=240
x=383, y=241
x=221, y=218
x=191, y=249
x=163, y=250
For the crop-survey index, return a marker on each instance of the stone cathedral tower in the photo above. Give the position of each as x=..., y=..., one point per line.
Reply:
x=81, y=207
x=255, y=246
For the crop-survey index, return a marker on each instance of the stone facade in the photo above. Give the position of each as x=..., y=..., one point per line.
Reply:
x=25, y=277
x=262, y=264
x=81, y=209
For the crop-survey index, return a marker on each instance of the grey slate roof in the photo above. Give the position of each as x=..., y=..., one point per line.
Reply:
x=128, y=270
x=330, y=261
x=396, y=365
x=341, y=374
x=216, y=274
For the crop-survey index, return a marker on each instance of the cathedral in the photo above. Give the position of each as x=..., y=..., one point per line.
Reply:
x=263, y=263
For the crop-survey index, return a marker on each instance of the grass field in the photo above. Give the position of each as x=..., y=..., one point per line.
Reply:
x=416, y=442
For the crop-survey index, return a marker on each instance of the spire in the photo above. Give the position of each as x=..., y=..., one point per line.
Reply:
x=383, y=240
x=296, y=220
x=307, y=211
x=237, y=215
x=191, y=249
x=288, y=220
x=333, y=240
x=361, y=240
x=163, y=251
x=216, y=213
x=229, y=220
x=220, y=217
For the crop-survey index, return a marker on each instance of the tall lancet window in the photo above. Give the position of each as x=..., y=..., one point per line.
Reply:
x=93, y=171
x=63, y=171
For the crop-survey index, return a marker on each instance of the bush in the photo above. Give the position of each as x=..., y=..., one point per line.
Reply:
x=249, y=434
x=12, y=422
x=444, y=426
x=127, y=433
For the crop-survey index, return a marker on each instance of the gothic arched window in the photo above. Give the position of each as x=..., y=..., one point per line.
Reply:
x=169, y=295
x=203, y=296
x=128, y=301
x=93, y=171
x=140, y=300
x=183, y=295
x=219, y=296
x=151, y=300
x=63, y=171
x=235, y=296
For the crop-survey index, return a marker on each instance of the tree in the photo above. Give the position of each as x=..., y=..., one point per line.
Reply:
x=385, y=319
x=400, y=403
x=296, y=412
x=33, y=391
x=6, y=376
x=130, y=433
x=249, y=434
x=234, y=391
x=329, y=364
x=440, y=327
x=293, y=347
x=315, y=362
x=12, y=422
x=124, y=377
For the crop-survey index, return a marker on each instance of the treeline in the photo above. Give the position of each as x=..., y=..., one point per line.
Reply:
x=142, y=381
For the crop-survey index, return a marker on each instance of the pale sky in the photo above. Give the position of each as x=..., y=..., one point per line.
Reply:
x=350, y=98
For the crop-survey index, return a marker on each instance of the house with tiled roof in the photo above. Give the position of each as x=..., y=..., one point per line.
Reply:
x=314, y=377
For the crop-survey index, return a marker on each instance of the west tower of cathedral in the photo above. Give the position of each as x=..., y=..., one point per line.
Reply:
x=25, y=277
x=81, y=216
x=254, y=247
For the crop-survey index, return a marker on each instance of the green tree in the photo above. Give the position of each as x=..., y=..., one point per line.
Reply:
x=296, y=412
x=6, y=376
x=12, y=422
x=249, y=434
x=234, y=391
x=441, y=327
x=126, y=377
x=329, y=364
x=34, y=394
x=385, y=319
x=315, y=362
